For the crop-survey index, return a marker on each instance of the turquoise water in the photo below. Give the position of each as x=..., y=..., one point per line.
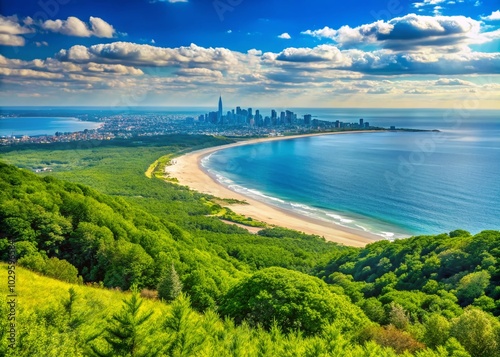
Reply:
x=33, y=126
x=393, y=184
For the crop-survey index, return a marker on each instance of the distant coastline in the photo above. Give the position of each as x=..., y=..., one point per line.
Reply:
x=125, y=123
x=40, y=126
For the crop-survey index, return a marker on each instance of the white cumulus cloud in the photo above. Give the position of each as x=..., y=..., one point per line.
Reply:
x=146, y=55
x=495, y=15
x=410, y=33
x=101, y=28
x=317, y=54
x=11, y=31
x=427, y=2
x=285, y=36
x=73, y=26
x=325, y=32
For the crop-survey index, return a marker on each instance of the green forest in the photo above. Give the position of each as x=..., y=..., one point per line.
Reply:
x=113, y=259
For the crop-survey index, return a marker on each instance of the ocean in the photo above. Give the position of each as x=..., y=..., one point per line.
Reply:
x=393, y=184
x=34, y=126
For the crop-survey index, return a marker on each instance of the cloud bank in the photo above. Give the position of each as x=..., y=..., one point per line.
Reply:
x=410, y=33
x=412, y=56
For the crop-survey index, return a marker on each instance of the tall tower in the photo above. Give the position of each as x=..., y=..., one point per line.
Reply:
x=219, y=114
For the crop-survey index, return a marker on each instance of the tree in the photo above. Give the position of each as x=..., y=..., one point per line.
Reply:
x=74, y=320
x=437, y=330
x=454, y=348
x=202, y=288
x=85, y=242
x=390, y=336
x=292, y=299
x=478, y=332
x=170, y=285
x=183, y=326
x=472, y=286
x=351, y=288
x=460, y=233
x=373, y=309
x=62, y=270
x=125, y=334
x=397, y=316
x=129, y=265
x=485, y=303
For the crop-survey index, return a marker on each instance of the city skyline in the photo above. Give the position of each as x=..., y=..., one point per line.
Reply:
x=411, y=54
x=258, y=119
x=237, y=122
x=247, y=116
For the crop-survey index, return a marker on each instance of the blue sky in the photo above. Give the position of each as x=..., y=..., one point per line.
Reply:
x=319, y=53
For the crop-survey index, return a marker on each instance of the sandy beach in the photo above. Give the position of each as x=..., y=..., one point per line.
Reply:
x=188, y=170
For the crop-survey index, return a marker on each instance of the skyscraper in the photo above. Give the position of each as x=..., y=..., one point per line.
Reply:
x=219, y=114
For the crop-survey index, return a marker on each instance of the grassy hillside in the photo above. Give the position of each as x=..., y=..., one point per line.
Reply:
x=44, y=324
x=48, y=325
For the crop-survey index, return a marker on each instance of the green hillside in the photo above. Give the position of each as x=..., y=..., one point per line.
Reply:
x=100, y=226
x=55, y=318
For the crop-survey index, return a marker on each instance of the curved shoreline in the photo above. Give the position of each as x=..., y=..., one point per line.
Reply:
x=188, y=170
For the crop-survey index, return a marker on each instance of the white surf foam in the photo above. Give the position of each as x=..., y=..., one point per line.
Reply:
x=296, y=207
x=340, y=218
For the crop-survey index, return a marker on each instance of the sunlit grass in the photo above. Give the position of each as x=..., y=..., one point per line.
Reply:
x=35, y=291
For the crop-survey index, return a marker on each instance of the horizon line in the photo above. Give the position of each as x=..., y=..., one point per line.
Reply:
x=242, y=106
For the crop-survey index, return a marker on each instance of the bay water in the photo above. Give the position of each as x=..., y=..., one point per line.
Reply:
x=393, y=184
x=35, y=126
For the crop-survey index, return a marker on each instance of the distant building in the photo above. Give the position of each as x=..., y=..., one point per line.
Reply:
x=307, y=119
x=361, y=122
x=213, y=117
x=219, y=113
x=274, y=117
x=258, y=118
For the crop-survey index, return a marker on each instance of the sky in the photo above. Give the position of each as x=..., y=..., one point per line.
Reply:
x=272, y=53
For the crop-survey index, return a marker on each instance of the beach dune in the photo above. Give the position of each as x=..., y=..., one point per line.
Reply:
x=188, y=171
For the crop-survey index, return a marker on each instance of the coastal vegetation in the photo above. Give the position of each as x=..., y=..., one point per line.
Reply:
x=112, y=262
